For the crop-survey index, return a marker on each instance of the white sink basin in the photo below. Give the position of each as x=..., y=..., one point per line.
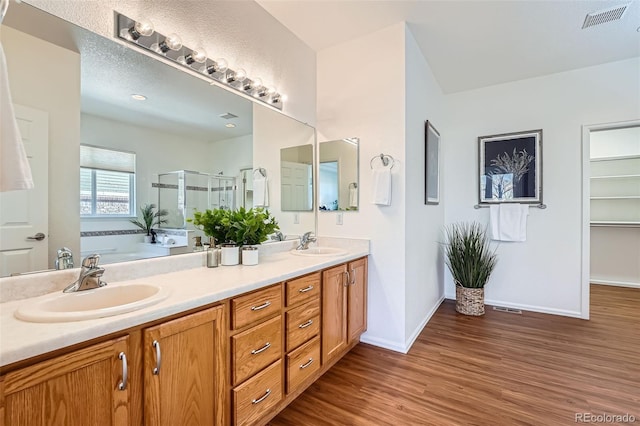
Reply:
x=320, y=251
x=90, y=304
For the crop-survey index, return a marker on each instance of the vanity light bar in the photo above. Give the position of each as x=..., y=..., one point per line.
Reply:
x=142, y=35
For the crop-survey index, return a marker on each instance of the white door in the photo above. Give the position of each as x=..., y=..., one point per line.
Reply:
x=24, y=214
x=295, y=185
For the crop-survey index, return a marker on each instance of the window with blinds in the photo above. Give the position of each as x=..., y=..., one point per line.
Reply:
x=107, y=182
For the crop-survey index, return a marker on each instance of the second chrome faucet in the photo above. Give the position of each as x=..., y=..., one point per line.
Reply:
x=90, y=275
x=306, y=238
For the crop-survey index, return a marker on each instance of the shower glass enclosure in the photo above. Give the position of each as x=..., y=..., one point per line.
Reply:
x=184, y=191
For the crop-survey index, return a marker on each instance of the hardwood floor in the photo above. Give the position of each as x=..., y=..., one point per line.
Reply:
x=500, y=369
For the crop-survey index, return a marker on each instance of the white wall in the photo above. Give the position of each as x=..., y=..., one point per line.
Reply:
x=273, y=131
x=361, y=87
x=242, y=32
x=230, y=155
x=59, y=95
x=544, y=273
x=423, y=262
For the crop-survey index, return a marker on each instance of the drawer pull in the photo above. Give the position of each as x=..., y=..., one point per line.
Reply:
x=125, y=371
x=262, y=349
x=306, y=289
x=262, y=398
x=306, y=364
x=156, y=345
x=260, y=307
x=306, y=324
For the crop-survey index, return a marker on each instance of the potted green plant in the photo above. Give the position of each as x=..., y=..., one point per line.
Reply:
x=471, y=262
x=150, y=218
x=215, y=224
x=252, y=227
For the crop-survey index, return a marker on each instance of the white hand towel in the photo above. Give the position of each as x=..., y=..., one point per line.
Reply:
x=381, y=186
x=260, y=191
x=353, y=197
x=511, y=222
x=15, y=172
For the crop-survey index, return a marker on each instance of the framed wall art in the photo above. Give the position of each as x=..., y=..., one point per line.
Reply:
x=510, y=168
x=431, y=164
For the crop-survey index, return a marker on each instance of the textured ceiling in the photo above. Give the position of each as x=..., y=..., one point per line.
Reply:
x=472, y=44
x=110, y=73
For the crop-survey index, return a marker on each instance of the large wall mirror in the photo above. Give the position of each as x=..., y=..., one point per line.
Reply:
x=181, y=144
x=338, y=175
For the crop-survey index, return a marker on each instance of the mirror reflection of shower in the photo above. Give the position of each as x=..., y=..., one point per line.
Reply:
x=182, y=192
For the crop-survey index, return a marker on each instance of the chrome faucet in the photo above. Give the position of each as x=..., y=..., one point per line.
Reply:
x=278, y=236
x=305, y=240
x=64, y=259
x=90, y=275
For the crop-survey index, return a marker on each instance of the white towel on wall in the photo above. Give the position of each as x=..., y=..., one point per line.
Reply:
x=381, y=186
x=508, y=222
x=353, y=197
x=260, y=191
x=15, y=172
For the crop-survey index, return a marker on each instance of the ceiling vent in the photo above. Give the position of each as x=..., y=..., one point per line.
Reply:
x=228, y=116
x=611, y=14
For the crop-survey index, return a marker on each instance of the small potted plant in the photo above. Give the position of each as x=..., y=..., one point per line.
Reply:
x=252, y=227
x=471, y=262
x=150, y=218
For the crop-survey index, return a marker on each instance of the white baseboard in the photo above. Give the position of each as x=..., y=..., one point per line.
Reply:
x=383, y=343
x=616, y=283
x=397, y=347
x=532, y=308
x=422, y=325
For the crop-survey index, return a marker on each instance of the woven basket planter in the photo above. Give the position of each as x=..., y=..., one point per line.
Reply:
x=470, y=301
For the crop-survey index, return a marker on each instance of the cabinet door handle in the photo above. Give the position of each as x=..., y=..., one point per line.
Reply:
x=306, y=324
x=306, y=364
x=262, y=349
x=156, y=345
x=260, y=307
x=306, y=289
x=345, y=279
x=353, y=277
x=125, y=371
x=262, y=398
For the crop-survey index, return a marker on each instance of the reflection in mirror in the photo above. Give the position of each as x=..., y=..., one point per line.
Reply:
x=193, y=145
x=296, y=178
x=338, y=175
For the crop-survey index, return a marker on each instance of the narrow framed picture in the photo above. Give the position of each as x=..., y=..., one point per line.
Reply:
x=510, y=168
x=431, y=164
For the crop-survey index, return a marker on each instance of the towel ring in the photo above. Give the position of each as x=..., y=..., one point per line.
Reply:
x=353, y=185
x=385, y=159
x=261, y=170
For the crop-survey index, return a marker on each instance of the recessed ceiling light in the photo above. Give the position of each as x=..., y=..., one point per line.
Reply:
x=139, y=97
x=230, y=125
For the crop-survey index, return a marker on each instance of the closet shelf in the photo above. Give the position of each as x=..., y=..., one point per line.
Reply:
x=621, y=197
x=614, y=224
x=616, y=177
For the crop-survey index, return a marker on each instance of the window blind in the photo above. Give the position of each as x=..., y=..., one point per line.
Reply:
x=93, y=157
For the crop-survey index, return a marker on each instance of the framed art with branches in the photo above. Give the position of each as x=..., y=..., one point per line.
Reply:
x=510, y=168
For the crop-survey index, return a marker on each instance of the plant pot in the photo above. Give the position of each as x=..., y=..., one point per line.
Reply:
x=249, y=255
x=230, y=255
x=470, y=301
x=147, y=238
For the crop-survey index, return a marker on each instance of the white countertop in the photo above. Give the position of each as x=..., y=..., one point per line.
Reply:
x=188, y=289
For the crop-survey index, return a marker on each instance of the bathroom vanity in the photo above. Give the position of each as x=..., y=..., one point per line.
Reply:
x=229, y=346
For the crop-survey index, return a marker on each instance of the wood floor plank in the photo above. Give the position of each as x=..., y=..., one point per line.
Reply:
x=500, y=369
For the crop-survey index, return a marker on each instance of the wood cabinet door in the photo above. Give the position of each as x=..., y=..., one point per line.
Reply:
x=77, y=389
x=184, y=371
x=357, y=298
x=334, y=312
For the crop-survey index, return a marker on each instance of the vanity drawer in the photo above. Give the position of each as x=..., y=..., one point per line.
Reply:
x=254, y=349
x=303, y=323
x=302, y=363
x=253, y=399
x=253, y=307
x=304, y=288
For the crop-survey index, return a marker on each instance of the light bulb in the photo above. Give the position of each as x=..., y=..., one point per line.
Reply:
x=141, y=28
x=144, y=27
x=240, y=74
x=271, y=90
x=257, y=82
x=219, y=65
x=173, y=41
x=199, y=55
x=222, y=64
